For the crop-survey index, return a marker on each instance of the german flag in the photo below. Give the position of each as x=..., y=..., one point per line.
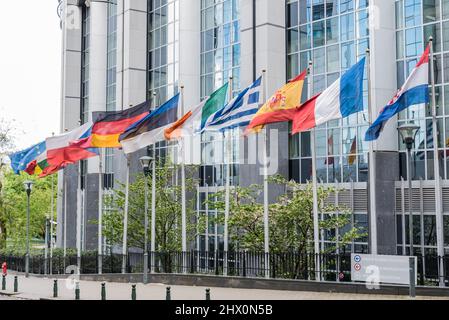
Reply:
x=108, y=126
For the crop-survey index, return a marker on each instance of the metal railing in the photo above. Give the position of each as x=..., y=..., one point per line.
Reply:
x=283, y=265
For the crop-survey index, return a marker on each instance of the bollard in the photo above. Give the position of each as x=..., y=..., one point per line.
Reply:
x=16, y=284
x=77, y=291
x=168, y=294
x=103, y=291
x=4, y=282
x=133, y=292
x=55, y=288
x=207, y=294
x=412, y=277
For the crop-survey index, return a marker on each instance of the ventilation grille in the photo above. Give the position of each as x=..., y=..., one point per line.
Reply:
x=427, y=199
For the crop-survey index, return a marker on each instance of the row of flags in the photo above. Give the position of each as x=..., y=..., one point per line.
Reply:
x=138, y=127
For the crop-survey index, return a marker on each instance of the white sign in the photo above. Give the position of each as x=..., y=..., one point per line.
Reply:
x=381, y=269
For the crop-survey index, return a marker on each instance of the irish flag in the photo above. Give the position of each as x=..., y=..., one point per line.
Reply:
x=196, y=120
x=61, y=151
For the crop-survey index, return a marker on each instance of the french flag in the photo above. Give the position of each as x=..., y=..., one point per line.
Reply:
x=415, y=91
x=343, y=98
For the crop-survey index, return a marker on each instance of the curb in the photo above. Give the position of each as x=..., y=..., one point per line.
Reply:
x=9, y=294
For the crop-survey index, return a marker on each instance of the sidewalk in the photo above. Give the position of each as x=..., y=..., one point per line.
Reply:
x=42, y=288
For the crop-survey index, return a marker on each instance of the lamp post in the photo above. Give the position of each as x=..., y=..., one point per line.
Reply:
x=408, y=133
x=145, y=163
x=28, y=186
x=47, y=227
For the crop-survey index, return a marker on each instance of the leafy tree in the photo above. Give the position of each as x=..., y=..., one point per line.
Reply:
x=168, y=210
x=6, y=145
x=14, y=207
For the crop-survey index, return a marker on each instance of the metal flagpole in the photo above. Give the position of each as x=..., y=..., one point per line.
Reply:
x=183, y=192
x=265, y=186
x=372, y=167
x=436, y=167
x=100, y=213
x=65, y=219
x=153, y=211
x=316, y=231
x=78, y=219
x=227, y=193
x=125, y=219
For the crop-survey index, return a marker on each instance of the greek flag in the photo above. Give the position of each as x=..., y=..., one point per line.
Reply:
x=239, y=111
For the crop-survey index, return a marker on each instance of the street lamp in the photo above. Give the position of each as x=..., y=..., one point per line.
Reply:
x=408, y=133
x=145, y=163
x=28, y=186
x=47, y=227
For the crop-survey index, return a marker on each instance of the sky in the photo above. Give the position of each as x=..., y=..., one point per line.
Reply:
x=30, y=69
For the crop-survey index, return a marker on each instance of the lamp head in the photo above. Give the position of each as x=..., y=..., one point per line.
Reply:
x=408, y=133
x=28, y=185
x=145, y=162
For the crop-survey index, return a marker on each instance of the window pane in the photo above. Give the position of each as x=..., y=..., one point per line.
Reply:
x=332, y=32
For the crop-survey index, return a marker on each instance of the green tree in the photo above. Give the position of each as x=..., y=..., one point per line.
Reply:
x=290, y=218
x=14, y=207
x=168, y=209
x=6, y=145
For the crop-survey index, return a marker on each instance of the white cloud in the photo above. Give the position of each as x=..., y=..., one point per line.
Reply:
x=30, y=68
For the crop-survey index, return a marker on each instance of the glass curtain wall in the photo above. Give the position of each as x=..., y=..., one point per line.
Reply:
x=163, y=61
x=416, y=21
x=334, y=35
x=111, y=86
x=220, y=59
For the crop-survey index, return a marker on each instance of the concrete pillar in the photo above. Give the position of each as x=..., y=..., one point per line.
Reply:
x=383, y=85
x=131, y=64
x=268, y=54
x=70, y=104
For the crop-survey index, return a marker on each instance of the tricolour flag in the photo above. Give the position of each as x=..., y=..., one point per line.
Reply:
x=188, y=125
x=61, y=151
x=343, y=98
x=150, y=129
x=240, y=111
x=415, y=91
x=277, y=107
x=215, y=102
x=109, y=125
x=21, y=159
x=194, y=121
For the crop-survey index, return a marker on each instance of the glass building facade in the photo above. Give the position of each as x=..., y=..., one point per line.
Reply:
x=84, y=112
x=163, y=61
x=416, y=21
x=220, y=60
x=111, y=87
x=334, y=35
x=163, y=49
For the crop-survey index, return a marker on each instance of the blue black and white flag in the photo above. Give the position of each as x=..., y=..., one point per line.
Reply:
x=240, y=111
x=150, y=129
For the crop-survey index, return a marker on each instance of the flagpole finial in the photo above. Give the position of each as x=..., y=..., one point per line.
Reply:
x=367, y=50
x=182, y=87
x=264, y=70
x=430, y=38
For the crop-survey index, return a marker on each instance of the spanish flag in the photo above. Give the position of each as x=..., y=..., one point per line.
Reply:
x=109, y=126
x=278, y=108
